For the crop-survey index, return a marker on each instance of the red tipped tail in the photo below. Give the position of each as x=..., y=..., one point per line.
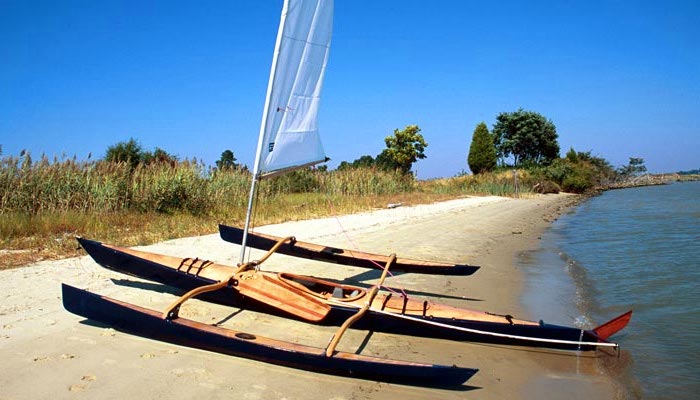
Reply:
x=613, y=326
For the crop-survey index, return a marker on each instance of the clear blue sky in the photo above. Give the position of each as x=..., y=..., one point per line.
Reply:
x=619, y=78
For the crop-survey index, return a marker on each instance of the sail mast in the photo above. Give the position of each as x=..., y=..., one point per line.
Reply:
x=289, y=136
x=263, y=124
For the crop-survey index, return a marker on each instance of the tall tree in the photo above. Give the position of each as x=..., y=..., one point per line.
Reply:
x=482, y=153
x=129, y=152
x=227, y=160
x=365, y=161
x=635, y=167
x=527, y=136
x=159, y=156
x=402, y=149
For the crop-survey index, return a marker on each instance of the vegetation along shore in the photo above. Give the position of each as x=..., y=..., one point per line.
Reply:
x=135, y=197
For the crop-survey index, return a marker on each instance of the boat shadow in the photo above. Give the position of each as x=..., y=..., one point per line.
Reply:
x=454, y=388
x=447, y=387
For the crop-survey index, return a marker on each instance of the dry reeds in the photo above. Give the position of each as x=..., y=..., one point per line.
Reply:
x=503, y=183
x=68, y=185
x=44, y=203
x=57, y=186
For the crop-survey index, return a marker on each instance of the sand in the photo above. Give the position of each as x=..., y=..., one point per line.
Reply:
x=48, y=353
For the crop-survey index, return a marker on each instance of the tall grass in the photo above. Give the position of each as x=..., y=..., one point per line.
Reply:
x=68, y=185
x=366, y=182
x=44, y=203
x=35, y=187
x=503, y=183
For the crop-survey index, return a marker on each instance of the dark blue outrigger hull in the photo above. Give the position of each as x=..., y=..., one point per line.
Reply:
x=538, y=335
x=342, y=256
x=148, y=323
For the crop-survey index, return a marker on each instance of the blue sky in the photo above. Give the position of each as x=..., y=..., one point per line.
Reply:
x=618, y=78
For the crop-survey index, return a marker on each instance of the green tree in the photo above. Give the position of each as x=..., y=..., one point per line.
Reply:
x=385, y=162
x=128, y=152
x=362, y=162
x=635, y=167
x=578, y=172
x=158, y=156
x=527, y=136
x=227, y=160
x=402, y=149
x=132, y=153
x=572, y=155
x=482, y=153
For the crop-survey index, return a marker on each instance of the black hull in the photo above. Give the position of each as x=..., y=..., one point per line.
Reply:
x=180, y=331
x=340, y=256
x=181, y=279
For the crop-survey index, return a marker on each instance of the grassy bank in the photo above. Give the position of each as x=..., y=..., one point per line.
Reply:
x=44, y=204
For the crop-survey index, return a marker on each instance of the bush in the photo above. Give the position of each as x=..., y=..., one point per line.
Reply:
x=546, y=187
x=572, y=174
x=299, y=181
x=576, y=184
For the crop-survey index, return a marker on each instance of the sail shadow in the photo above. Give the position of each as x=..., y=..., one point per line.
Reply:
x=371, y=274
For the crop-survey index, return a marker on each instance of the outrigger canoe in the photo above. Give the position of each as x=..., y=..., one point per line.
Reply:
x=324, y=302
x=336, y=255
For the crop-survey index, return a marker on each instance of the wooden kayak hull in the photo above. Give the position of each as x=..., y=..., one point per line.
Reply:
x=445, y=322
x=150, y=324
x=343, y=256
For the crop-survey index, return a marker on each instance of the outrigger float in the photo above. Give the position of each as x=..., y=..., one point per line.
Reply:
x=171, y=328
x=337, y=255
x=325, y=302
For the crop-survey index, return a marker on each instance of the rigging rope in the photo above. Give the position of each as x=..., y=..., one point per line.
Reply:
x=357, y=248
x=480, y=332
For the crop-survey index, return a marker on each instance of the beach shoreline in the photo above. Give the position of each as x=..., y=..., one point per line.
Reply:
x=78, y=359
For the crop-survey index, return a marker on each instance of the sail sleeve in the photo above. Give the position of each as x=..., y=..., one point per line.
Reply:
x=289, y=132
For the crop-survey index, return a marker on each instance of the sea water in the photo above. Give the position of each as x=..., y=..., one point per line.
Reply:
x=635, y=249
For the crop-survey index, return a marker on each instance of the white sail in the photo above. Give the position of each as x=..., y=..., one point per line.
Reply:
x=289, y=135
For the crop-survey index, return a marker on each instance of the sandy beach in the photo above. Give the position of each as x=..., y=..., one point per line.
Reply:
x=49, y=353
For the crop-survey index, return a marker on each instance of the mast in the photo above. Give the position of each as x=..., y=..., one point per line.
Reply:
x=289, y=136
x=263, y=125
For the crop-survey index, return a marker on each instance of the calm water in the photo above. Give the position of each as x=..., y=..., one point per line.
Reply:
x=630, y=249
